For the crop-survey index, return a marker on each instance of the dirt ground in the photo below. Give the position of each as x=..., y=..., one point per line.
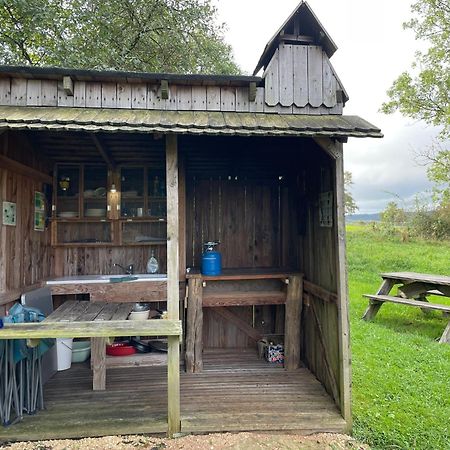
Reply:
x=238, y=441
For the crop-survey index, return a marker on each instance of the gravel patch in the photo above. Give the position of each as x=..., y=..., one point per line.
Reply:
x=218, y=441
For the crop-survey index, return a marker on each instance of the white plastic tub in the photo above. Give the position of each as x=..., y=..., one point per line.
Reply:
x=81, y=350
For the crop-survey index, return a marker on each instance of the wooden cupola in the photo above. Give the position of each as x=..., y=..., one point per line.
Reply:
x=297, y=69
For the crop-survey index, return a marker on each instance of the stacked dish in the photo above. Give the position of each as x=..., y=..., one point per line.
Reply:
x=68, y=214
x=95, y=212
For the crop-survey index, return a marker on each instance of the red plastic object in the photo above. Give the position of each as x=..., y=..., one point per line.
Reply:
x=120, y=349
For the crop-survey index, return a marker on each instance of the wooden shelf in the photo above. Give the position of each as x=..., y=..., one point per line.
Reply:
x=137, y=360
x=243, y=298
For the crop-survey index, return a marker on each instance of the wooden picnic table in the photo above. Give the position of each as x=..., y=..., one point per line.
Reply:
x=413, y=289
x=97, y=320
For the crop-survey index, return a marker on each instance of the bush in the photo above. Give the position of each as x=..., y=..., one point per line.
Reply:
x=431, y=224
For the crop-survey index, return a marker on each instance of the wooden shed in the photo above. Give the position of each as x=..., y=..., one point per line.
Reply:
x=105, y=167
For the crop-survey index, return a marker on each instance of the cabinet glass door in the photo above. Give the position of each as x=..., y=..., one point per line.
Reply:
x=132, y=202
x=156, y=185
x=95, y=191
x=68, y=192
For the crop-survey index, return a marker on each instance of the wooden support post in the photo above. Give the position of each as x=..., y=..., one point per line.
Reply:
x=344, y=376
x=173, y=292
x=294, y=303
x=374, y=306
x=99, y=363
x=194, y=338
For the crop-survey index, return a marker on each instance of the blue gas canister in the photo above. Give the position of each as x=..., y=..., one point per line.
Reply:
x=211, y=259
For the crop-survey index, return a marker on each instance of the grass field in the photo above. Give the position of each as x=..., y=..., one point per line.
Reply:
x=401, y=375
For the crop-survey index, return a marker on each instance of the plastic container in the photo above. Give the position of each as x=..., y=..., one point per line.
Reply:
x=139, y=315
x=120, y=349
x=64, y=353
x=81, y=350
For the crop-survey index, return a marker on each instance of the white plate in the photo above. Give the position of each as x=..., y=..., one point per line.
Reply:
x=68, y=214
x=95, y=212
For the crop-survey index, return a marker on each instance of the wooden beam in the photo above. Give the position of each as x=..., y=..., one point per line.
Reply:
x=22, y=169
x=320, y=292
x=182, y=217
x=345, y=378
x=246, y=328
x=173, y=291
x=297, y=38
x=244, y=298
x=194, y=327
x=91, y=329
x=330, y=146
x=294, y=305
x=68, y=85
x=99, y=363
x=326, y=358
x=103, y=151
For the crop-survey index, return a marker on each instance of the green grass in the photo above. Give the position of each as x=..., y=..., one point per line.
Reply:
x=401, y=375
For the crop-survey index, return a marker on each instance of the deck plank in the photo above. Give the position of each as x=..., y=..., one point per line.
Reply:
x=235, y=392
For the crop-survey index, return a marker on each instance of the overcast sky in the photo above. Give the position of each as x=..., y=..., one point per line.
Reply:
x=373, y=49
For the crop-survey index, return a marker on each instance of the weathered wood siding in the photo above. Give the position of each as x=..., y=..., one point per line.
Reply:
x=298, y=80
x=25, y=254
x=320, y=347
x=100, y=260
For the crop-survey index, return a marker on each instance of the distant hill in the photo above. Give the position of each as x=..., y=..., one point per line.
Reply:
x=363, y=217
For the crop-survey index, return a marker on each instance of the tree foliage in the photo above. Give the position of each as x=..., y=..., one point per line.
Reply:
x=137, y=35
x=424, y=92
x=350, y=206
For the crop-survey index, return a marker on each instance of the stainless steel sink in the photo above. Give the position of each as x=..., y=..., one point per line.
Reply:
x=105, y=278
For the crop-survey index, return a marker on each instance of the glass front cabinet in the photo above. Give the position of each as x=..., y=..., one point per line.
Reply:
x=94, y=206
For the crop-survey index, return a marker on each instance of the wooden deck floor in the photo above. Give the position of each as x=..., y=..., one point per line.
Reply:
x=236, y=392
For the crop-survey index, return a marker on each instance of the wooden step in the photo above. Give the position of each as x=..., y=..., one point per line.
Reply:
x=248, y=298
x=408, y=301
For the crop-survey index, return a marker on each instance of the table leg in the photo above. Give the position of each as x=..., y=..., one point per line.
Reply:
x=98, y=352
x=374, y=306
x=194, y=327
x=445, y=338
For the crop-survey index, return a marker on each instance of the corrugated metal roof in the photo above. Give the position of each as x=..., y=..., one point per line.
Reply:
x=183, y=122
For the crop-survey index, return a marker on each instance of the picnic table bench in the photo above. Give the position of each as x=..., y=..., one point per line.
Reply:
x=413, y=290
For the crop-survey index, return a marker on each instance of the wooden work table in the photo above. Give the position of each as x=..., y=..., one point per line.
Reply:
x=243, y=287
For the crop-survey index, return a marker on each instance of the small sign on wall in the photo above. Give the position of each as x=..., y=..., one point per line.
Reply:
x=9, y=214
x=326, y=209
x=39, y=211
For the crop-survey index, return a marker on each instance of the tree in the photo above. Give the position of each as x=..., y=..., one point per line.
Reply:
x=137, y=35
x=437, y=158
x=350, y=206
x=424, y=92
x=393, y=215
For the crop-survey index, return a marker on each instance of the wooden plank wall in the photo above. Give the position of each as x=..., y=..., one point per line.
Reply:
x=25, y=254
x=298, y=80
x=100, y=260
x=319, y=256
x=235, y=195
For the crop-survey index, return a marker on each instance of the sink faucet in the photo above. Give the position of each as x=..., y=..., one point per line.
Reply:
x=129, y=270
